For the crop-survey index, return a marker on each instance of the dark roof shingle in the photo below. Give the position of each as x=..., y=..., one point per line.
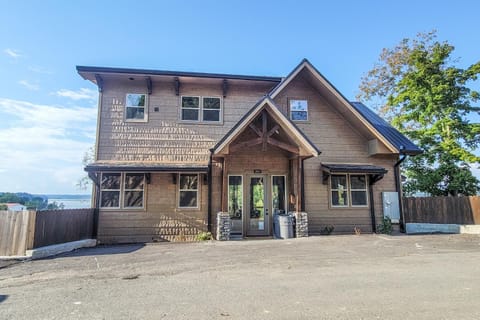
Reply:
x=397, y=139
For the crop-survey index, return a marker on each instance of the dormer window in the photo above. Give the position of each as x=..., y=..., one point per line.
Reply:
x=135, y=107
x=201, y=109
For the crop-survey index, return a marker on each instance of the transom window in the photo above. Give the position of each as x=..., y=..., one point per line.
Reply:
x=348, y=190
x=188, y=191
x=299, y=110
x=135, y=105
x=122, y=188
x=203, y=109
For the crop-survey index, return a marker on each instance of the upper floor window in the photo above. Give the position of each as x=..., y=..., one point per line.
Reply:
x=348, y=190
x=204, y=109
x=299, y=110
x=135, y=107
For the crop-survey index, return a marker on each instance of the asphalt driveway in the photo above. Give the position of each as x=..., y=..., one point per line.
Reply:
x=329, y=277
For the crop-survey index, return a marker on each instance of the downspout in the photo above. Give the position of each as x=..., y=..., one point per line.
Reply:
x=372, y=205
x=396, y=171
x=209, y=181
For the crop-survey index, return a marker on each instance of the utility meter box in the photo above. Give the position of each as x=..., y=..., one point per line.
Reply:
x=391, y=206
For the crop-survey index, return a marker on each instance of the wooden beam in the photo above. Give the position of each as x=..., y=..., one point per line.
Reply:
x=282, y=145
x=177, y=86
x=256, y=130
x=264, y=130
x=299, y=184
x=225, y=87
x=245, y=144
x=149, y=85
x=273, y=130
x=99, y=81
x=225, y=185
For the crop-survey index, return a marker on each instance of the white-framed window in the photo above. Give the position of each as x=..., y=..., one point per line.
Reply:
x=298, y=110
x=201, y=109
x=348, y=190
x=122, y=190
x=188, y=190
x=136, y=107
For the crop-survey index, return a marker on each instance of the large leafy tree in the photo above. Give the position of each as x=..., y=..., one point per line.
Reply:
x=417, y=87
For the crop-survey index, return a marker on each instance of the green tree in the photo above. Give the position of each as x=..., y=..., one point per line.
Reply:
x=88, y=157
x=417, y=87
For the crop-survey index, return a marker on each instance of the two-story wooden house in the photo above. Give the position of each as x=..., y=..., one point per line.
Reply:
x=175, y=148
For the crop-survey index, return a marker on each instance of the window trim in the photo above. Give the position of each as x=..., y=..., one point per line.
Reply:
x=290, y=100
x=122, y=192
x=117, y=190
x=201, y=109
x=125, y=190
x=366, y=190
x=180, y=190
x=348, y=191
x=145, y=107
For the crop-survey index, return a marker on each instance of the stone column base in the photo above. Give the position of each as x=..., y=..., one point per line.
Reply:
x=301, y=224
x=223, y=226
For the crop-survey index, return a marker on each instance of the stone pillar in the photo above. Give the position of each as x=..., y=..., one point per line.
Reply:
x=301, y=224
x=223, y=226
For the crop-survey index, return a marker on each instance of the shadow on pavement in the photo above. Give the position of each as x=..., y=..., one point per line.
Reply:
x=104, y=250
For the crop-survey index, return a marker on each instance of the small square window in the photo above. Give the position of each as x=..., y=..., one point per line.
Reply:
x=299, y=110
x=135, y=106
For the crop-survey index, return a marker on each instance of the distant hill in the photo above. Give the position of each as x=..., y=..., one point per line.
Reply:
x=68, y=196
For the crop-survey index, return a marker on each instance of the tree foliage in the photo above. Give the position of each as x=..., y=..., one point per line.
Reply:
x=88, y=157
x=417, y=87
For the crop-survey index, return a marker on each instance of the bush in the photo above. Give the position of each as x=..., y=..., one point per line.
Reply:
x=386, y=226
x=204, y=236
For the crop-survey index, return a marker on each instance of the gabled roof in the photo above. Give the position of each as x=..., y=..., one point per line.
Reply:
x=267, y=104
x=390, y=133
x=390, y=137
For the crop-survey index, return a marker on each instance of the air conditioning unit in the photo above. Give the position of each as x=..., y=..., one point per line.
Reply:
x=391, y=206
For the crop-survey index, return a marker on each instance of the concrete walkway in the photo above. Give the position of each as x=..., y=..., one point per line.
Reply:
x=329, y=277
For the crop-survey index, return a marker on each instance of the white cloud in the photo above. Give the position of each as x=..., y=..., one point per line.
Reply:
x=38, y=69
x=29, y=86
x=82, y=94
x=44, y=145
x=12, y=53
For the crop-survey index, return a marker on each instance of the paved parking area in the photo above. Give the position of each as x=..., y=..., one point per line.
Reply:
x=328, y=277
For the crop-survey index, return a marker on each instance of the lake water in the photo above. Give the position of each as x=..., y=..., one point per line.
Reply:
x=72, y=203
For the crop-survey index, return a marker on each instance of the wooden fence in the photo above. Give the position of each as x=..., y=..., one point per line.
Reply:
x=59, y=226
x=454, y=210
x=24, y=230
x=16, y=232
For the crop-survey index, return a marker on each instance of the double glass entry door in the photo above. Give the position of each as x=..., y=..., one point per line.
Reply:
x=260, y=195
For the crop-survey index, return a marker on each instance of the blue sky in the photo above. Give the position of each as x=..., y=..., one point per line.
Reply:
x=49, y=113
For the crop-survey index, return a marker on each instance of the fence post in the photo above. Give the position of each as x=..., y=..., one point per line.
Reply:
x=32, y=216
x=95, y=223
